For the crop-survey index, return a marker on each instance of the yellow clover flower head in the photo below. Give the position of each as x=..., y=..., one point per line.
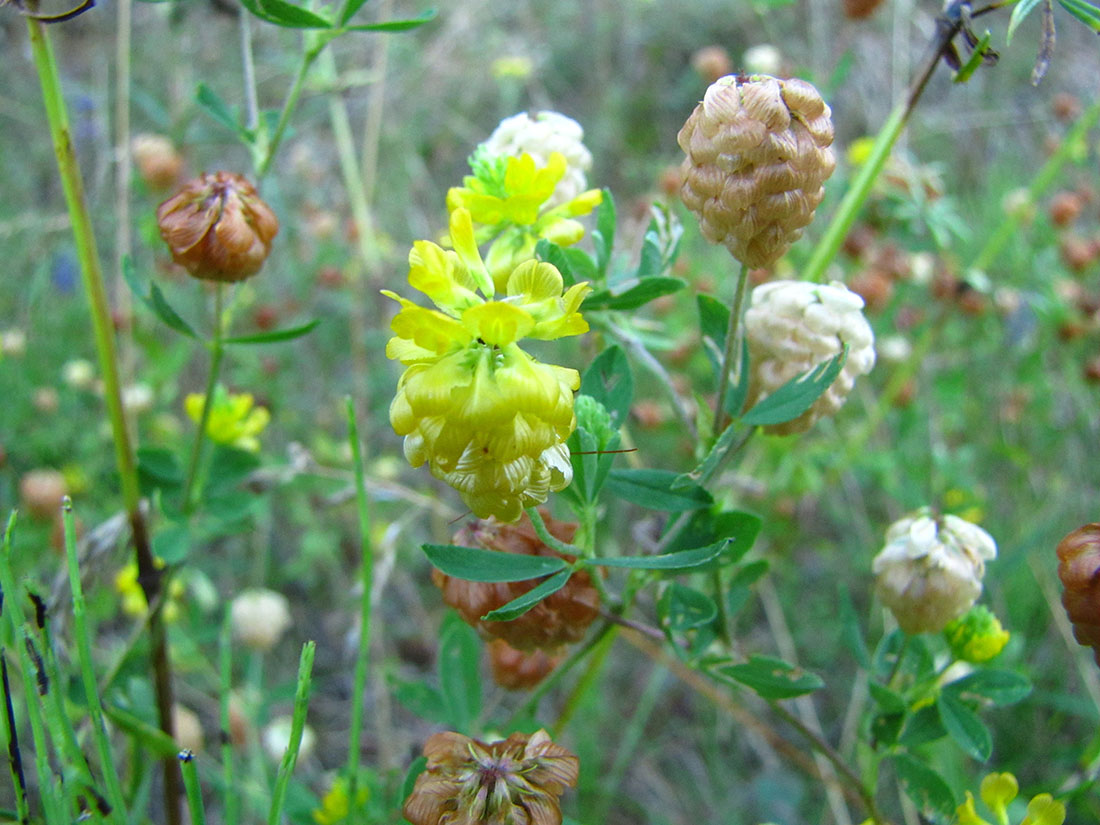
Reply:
x=335, y=804
x=485, y=416
x=132, y=596
x=997, y=790
x=976, y=636
x=234, y=420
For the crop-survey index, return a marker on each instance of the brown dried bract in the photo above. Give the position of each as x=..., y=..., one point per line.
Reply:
x=517, y=781
x=1079, y=570
x=217, y=227
x=757, y=158
x=561, y=618
x=520, y=669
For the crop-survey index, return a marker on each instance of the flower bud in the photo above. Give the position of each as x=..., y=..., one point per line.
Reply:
x=540, y=136
x=757, y=155
x=466, y=782
x=276, y=739
x=791, y=327
x=563, y=617
x=1079, y=570
x=188, y=728
x=157, y=160
x=977, y=636
x=930, y=571
x=259, y=617
x=217, y=227
x=519, y=669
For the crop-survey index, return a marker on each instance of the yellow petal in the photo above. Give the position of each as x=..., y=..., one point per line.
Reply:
x=497, y=323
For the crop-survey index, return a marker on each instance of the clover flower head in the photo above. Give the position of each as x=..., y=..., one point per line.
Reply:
x=336, y=803
x=997, y=791
x=466, y=782
x=234, y=420
x=484, y=415
x=976, y=636
x=540, y=135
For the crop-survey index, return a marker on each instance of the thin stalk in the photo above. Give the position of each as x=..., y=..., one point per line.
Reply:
x=231, y=802
x=376, y=99
x=297, y=725
x=15, y=756
x=1046, y=176
x=248, y=62
x=731, y=357
x=191, y=489
x=585, y=683
x=548, y=538
x=191, y=783
x=82, y=636
x=367, y=583
x=896, y=667
x=266, y=148
x=91, y=275
x=123, y=173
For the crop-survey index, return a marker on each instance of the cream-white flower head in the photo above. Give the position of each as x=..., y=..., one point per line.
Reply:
x=540, y=136
x=930, y=571
x=259, y=617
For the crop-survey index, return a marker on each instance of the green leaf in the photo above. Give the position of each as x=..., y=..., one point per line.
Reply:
x=415, y=769
x=479, y=565
x=632, y=294
x=422, y=700
x=157, y=741
x=459, y=676
x=159, y=467
x=965, y=727
x=172, y=543
x=168, y=315
x=715, y=455
x=889, y=700
x=275, y=335
x=923, y=727
x=977, y=57
x=395, y=25
x=714, y=318
x=926, y=788
x=1019, y=12
x=286, y=15
x=1000, y=687
x=661, y=244
x=1087, y=13
x=521, y=604
x=350, y=10
x=679, y=561
x=218, y=109
x=653, y=489
x=136, y=287
x=850, y=633
x=609, y=381
x=229, y=466
x=885, y=728
x=774, y=678
x=740, y=587
x=797, y=395
x=603, y=236
x=684, y=608
x=589, y=447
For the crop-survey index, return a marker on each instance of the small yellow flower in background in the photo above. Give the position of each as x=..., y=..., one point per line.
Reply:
x=484, y=415
x=133, y=597
x=1044, y=810
x=997, y=791
x=976, y=636
x=335, y=805
x=233, y=418
x=859, y=150
x=512, y=66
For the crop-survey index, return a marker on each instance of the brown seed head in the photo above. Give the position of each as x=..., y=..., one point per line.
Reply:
x=1065, y=207
x=757, y=155
x=711, y=62
x=41, y=492
x=1079, y=570
x=860, y=9
x=517, y=781
x=559, y=619
x=1065, y=106
x=157, y=160
x=217, y=227
x=519, y=669
x=1077, y=252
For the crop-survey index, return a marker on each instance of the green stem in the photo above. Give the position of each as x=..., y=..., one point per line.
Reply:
x=192, y=489
x=367, y=583
x=265, y=150
x=82, y=636
x=15, y=756
x=731, y=356
x=550, y=540
x=1046, y=176
x=191, y=783
x=231, y=803
x=584, y=684
x=297, y=725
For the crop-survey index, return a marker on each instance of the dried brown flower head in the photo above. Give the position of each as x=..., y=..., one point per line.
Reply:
x=217, y=227
x=157, y=160
x=1079, y=570
x=561, y=618
x=757, y=155
x=520, y=669
x=513, y=782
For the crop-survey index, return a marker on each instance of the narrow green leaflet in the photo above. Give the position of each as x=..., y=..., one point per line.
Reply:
x=286, y=14
x=964, y=726
x=288, y=334
x=928, y=790
x=654, y=489
x=740, y=587
x=1086, y=12
x=172, y=543
x=459, y=676
x=710, y=461
x=889, y=700
x=684, y=608
x=219, y=110
x=682, y=560
x=521, y=604
x=603, y=236
x=159, y=466
x=415, y=769
x=714, y=317
x=774, y=678
x=1000, y=687
x=923, y=727
x=850, y=633
x=575, y=265
x=421, y=699
x=168, y=315
x=394, y=25
x=795, y=397
x=1020, y=11
x=977, y=57
x=632, y=294
x=608, y=379
x=479, y=565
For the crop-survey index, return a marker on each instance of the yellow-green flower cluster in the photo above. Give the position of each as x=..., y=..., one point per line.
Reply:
x=485, y=416
x=233, y=419
x=999, y=789
x=976, y=636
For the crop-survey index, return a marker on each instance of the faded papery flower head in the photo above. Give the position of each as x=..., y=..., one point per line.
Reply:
x=517, y=781
x=540, y=135
x=217, y=227
x=757, y=156
x=561, y=618
x=1079, y=570
x=259, y=617
x=791, y=327
x=930, y=571
x=521, y=669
